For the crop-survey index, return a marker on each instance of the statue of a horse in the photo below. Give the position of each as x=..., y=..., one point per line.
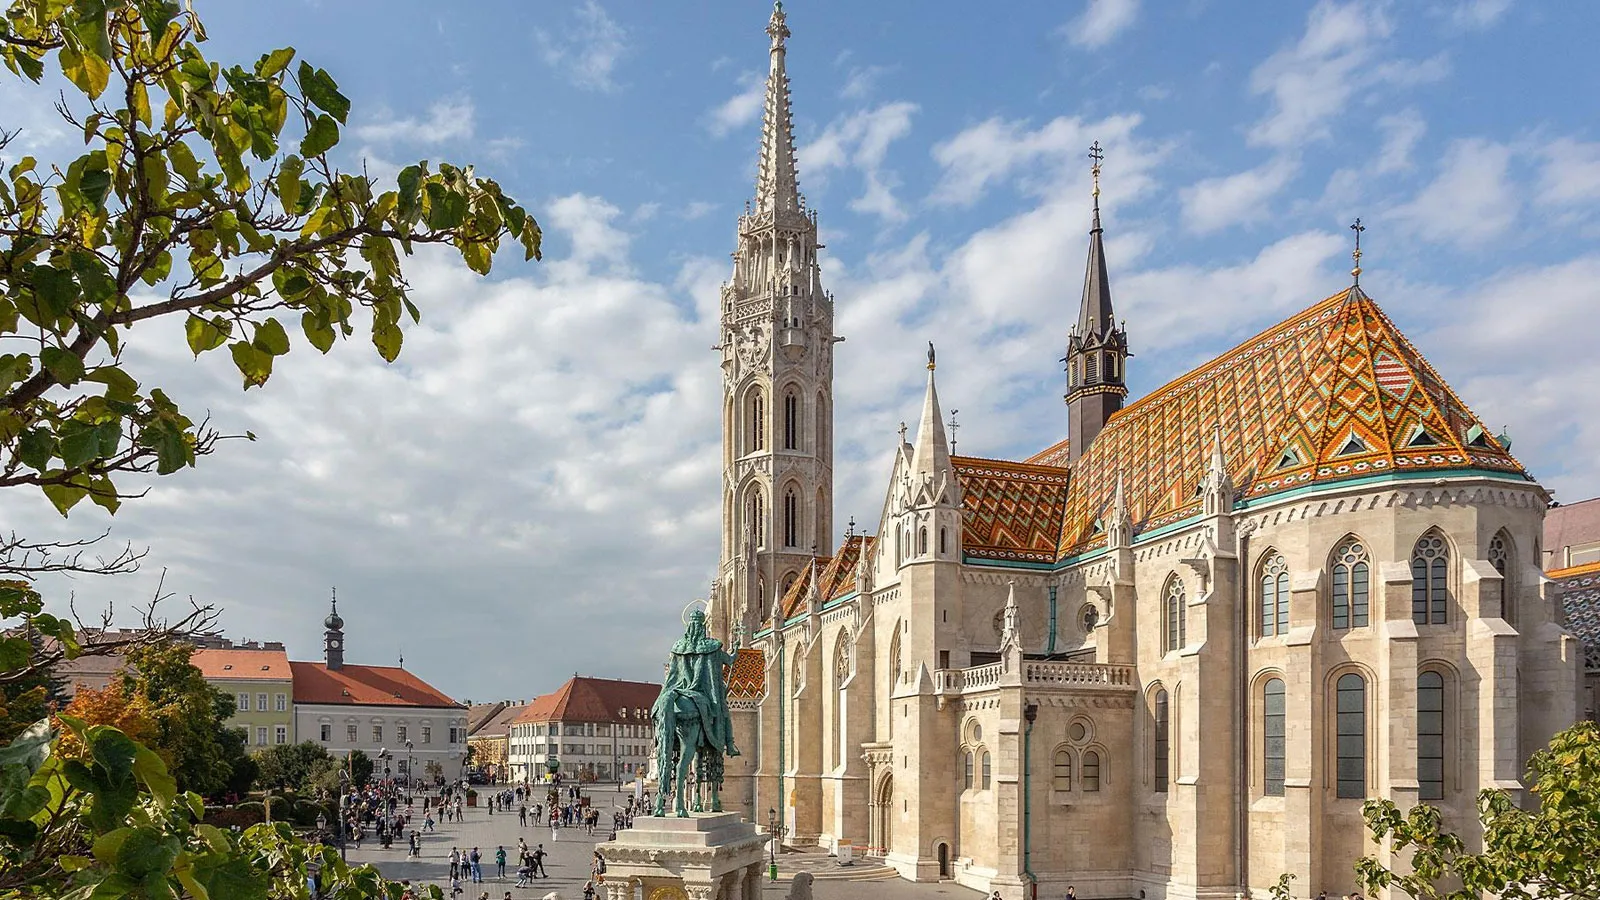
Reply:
x=680, y=743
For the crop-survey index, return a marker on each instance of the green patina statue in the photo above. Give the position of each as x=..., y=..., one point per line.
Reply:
x=692, y=726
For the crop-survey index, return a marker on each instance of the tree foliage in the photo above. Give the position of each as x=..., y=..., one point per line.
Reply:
x=188, y=713
x=112, y=705
x=293, y=766
x=1550, y=851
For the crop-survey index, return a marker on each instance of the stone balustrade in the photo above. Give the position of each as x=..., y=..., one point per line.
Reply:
x=1071, y=676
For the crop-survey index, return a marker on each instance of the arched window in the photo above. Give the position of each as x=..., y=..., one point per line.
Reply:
x=756, y=510
x=1091, y=770
x=899, y=547
x=1091, y=368
x=1274, y=596
x=1350, y=579
x=1430, y=569
x=791, y=519
x=1273, y=752
x=1351, y=737
x=1500, y=557
x=1163, y=735
x=820, y=536
x=791, y=421
x=1063, y=771
x=788, y=582
x=1177, y=615
x=756, y=435
x=966, y=778
x=922, y=541
x=941, y=541
x=986, y=770
x=1430, y=736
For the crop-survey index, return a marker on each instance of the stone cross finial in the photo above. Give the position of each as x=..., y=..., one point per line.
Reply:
x=1355, y=271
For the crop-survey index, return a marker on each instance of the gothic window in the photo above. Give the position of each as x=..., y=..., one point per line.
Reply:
x=756, y=439
x=1089, y=617
x=1091, y=770
x=1163, y=736
x=820, y=536
x=1430, y=592
x=1273, y=750
x=899, y=546
x=1350, y=584
x=799, y=671
x=1430, y=736
x=1274, y=596
x=1091, y=368
x=941, y=540
x=894, y=655
x=791, y=421
x=819, y=434
x=841, y=662
x=966, y=776
x=1177, y=615
x=985, y=783
x=1500, y=557
x=1351, y=737
x=756, y=510
x=922, y=541
x=791, y=519
x=788, y=582
x=1063, y=771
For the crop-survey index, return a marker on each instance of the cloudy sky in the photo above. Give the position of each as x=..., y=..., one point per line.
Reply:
x=532, y=490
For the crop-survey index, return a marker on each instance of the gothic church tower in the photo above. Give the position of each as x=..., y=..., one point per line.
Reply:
x=777, y=364
x=1097, y=349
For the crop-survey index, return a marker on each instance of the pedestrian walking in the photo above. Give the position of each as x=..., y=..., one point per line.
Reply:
x=477, y=866
x=500, y=862
x=455, y=862
x=455, y=887
x=588, y=890
x=538, y=862
x=522, y=816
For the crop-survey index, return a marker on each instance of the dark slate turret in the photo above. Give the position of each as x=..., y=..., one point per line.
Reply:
x=1097, y=349
x=333, y=638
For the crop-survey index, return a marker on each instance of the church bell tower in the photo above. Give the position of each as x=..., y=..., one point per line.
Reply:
x=1097, y=348
x=776, y=343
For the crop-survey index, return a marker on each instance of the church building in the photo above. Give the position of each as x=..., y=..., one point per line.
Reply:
x=1166, y=656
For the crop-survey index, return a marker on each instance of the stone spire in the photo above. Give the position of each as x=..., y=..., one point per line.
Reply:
x=777, y=184
x=1095, y=315
x=1097, y=348
x=931, y=472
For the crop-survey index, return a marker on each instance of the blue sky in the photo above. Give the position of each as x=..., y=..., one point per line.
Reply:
x=543, y=464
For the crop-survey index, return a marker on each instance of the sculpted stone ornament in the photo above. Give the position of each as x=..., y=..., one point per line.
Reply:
x=692, y=725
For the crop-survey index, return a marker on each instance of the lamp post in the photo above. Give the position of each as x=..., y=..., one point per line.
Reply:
x=411, y=766
x=772, y=843
x=344, y=800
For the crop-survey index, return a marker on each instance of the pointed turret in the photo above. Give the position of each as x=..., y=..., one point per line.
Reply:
x=333, y=636
x=931, y=472
x=777, y=185
x=1097, y=348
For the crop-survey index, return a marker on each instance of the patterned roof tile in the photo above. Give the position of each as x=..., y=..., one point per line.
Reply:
x=747, y=676
x=1010, y=510
x=1580, y=601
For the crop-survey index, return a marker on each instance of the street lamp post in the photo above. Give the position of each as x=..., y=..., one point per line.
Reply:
x=344, y=800
x=772, y=842
x=411, y=766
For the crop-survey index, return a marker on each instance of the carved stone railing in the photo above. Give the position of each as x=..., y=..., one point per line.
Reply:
x=1078, y=676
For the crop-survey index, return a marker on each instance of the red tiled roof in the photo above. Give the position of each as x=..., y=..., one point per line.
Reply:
x=364, y=685
x=497, y=724
x=747, y=676
x=836, y=575
x=585, y=699
x=1057, y=454
x=1010, y=510
x=242, y=665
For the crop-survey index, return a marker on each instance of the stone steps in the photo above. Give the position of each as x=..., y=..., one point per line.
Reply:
x=857, y=872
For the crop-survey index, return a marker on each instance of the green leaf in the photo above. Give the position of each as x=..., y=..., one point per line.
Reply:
x=183, y=161
x=65, y=366
x=119, y=384
x=271, y=338
x=35, y=448
x=321, y=137
x=318, y=332
x=320, y=88
x=446, y=208
x=206, y=334
x=272, y=63
x=56, y=289
x=387, y=338
x=103, y=493
x=254, y=365
x=65, y=496
x=289, y=183
x=88, y=72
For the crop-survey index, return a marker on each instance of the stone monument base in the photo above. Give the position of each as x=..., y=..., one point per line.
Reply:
x=707, y=856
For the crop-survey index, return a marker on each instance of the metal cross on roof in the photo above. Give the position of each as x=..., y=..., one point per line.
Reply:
x=1097, y=154
x=953, y=428
x=1355, y=271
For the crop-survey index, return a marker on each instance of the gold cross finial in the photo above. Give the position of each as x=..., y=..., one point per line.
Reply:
x=1355, y=271
x=1096, y=154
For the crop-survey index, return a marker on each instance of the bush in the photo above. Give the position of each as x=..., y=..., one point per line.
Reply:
x=282, y=809
x=306, y=812
x=229, y=816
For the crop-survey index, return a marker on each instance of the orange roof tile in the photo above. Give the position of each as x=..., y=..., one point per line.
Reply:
x=836, y=576
x=497, y=724
x=585, y=699
x=242, y=665
x=1010, y=510
x=1054, y=455
x=747, y=676
x=1334, y=392
x=314, y=682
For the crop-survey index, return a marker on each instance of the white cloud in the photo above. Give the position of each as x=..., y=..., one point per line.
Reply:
x=451, y=119
x=1344, y=52
x=995, y=149
x=1478, y=14
x=860, y=141
x=697, y=209
x=588, y=53
x=1101, y=21
x=740, y=109
x=1401, y=131
x=587, y=221
x=1571, y=173
x=861, y=82
x=1470, y=201
x=1216, y=203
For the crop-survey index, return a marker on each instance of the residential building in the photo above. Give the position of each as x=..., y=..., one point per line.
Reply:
x=1168, y=656
x=346, y=707
x=261, y=683
x=598, y=729
x=489, y=733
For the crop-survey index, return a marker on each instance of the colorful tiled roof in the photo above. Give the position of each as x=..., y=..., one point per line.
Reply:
x=1010, y=510
x=1056, y=454
x=1580, y=601
x=585, y=699
x=242, y=665
x=1334, y=392
x=836, y=576
x=747, y=676
x=314, y=682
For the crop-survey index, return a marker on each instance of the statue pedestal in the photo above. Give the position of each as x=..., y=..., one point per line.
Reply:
x=707, y=856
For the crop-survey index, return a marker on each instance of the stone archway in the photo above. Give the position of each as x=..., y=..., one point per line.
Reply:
x=883, y=822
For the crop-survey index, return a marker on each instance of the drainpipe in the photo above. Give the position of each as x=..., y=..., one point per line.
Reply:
x=1241, y=716
x=783, y=701
x=1029, y=712
x=1052, y=647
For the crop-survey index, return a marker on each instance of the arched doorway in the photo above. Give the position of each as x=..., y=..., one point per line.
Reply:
x=944, y=860
x=884, y=824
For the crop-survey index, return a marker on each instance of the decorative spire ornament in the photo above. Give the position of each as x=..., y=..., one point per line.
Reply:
x=1355, y=255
